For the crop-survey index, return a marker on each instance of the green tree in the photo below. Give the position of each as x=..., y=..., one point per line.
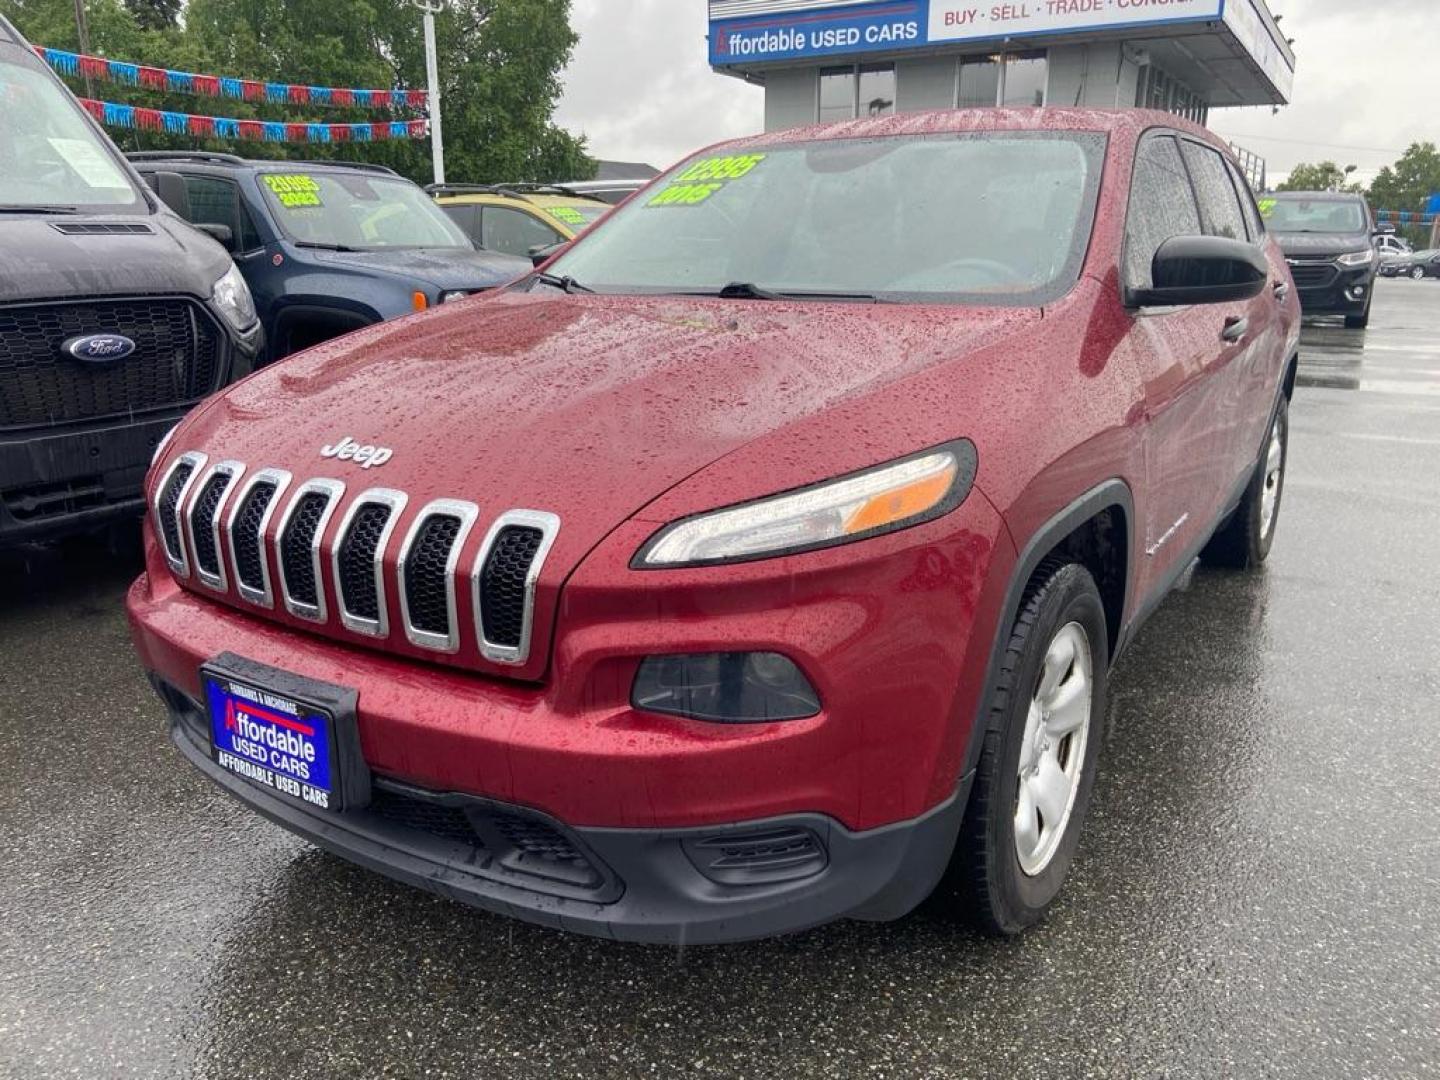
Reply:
x=1327, y=176
x=500, y=64
x=1409, y=183
x=155, y=14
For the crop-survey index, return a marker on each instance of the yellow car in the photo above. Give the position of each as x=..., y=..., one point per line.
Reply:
x=518, y=219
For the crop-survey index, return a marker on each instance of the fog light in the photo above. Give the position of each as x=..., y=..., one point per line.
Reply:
x=727, y=688
x=1357, y=292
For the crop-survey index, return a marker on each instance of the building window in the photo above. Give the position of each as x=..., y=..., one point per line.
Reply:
x=1014, y=79
x=1025, y=78
x=856, y=90
x=877, y=90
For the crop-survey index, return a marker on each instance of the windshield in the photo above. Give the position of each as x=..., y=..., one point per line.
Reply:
x=1314, y=215
x=50, y=155
x=351, y=210
x=979, y=218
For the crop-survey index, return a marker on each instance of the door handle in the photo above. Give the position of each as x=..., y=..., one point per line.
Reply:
x=1282, y=291
x=1236, y=327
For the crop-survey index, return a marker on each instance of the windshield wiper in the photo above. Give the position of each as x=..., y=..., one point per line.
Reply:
x=36, y=208
x=745, y=290
x=317, y=246
x=563, y=282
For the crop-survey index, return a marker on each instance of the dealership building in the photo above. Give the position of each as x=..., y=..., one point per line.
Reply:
x=822, y=60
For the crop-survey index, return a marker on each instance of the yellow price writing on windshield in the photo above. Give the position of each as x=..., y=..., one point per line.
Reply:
x=704, y=178
x=293, y=189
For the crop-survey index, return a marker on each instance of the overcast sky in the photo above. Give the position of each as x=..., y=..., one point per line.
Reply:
x=1365, y=89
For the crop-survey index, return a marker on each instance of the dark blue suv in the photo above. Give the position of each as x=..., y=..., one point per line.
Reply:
x=328, y=247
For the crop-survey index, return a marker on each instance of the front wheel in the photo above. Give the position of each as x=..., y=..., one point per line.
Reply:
x=1418, y=273
x=1037, y=764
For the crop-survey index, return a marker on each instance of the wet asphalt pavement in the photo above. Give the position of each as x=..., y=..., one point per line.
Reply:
x=1257, y=894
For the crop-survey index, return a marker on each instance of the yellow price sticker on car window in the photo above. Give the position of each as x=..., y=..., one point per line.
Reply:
x=704, y=178
x=1267, y=206
x=294, y=190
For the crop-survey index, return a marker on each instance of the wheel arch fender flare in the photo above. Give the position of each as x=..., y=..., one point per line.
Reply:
x=1107, y=495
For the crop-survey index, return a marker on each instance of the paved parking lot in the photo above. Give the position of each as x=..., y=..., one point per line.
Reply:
x=1258, y=892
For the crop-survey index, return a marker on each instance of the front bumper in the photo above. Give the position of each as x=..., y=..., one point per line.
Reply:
x=1330, y=289
x=701, y=885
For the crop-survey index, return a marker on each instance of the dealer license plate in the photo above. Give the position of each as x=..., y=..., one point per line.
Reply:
x=273, y=740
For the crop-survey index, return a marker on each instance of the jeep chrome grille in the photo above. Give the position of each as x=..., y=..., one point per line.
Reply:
x=301, y=530
x=504, y=582
x=171, y=496
x=359, y=559
x=273, y=529
x=202, y=523
x=427, y=572
x=254, y=507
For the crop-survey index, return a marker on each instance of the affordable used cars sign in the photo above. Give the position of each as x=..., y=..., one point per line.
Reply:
x=742, y=32
x=820, y=32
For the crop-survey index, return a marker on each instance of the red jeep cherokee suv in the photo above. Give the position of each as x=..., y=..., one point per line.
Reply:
x=760, y=556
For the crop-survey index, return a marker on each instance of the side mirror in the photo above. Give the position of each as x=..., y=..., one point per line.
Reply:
x=1203, y=270
x=543, y=253
x=223, y=233
x=170, y=186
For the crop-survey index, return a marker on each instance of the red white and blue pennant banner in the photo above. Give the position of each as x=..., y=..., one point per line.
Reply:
x=223, y=127
x=187, y=82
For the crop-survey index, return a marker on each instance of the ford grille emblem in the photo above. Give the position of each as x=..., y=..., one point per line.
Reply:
x=99, y=348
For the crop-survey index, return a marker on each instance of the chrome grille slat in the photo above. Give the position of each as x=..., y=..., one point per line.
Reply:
x=202, y=522
x=498, y=641
x=418, y=576
x=250, y=517
x=170, y=496
x=358, y=559
x=298, y=553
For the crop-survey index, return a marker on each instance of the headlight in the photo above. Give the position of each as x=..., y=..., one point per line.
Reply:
x=453, y=294
x=864, y=504
x=232, y=297
x=1357, y=258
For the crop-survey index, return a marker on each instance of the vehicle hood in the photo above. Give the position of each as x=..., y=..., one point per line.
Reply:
x=38, y=262
x=441, y=269
x=1321, y=245
x=587, y=407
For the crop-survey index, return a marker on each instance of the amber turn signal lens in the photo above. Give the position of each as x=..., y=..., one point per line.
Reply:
x=903, y=502
x=418, y=301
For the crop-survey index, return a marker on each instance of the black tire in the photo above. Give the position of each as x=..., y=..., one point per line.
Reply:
x=1243, y=542
x=999, y=896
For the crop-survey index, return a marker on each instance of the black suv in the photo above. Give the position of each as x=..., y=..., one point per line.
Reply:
x=1329, y=241
x=115, y=315
x=328, y=247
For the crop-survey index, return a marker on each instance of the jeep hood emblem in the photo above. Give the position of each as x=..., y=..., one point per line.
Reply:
x=367, y=457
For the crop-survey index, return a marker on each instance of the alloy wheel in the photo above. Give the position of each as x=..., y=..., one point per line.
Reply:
x=1274, y=476
x=1052, y=754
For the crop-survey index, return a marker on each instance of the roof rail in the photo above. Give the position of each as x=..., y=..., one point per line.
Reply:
x=364, y=166
x=186, y=155
x=503, y=189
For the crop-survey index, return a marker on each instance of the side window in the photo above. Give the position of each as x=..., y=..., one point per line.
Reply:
x=514, y=232
x=214, y=201
x=1219, y=205
x=1162, y=205
x=467, y=216
x=1254, y=224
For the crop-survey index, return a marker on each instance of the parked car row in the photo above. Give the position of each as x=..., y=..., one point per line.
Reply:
x=1417, y=264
